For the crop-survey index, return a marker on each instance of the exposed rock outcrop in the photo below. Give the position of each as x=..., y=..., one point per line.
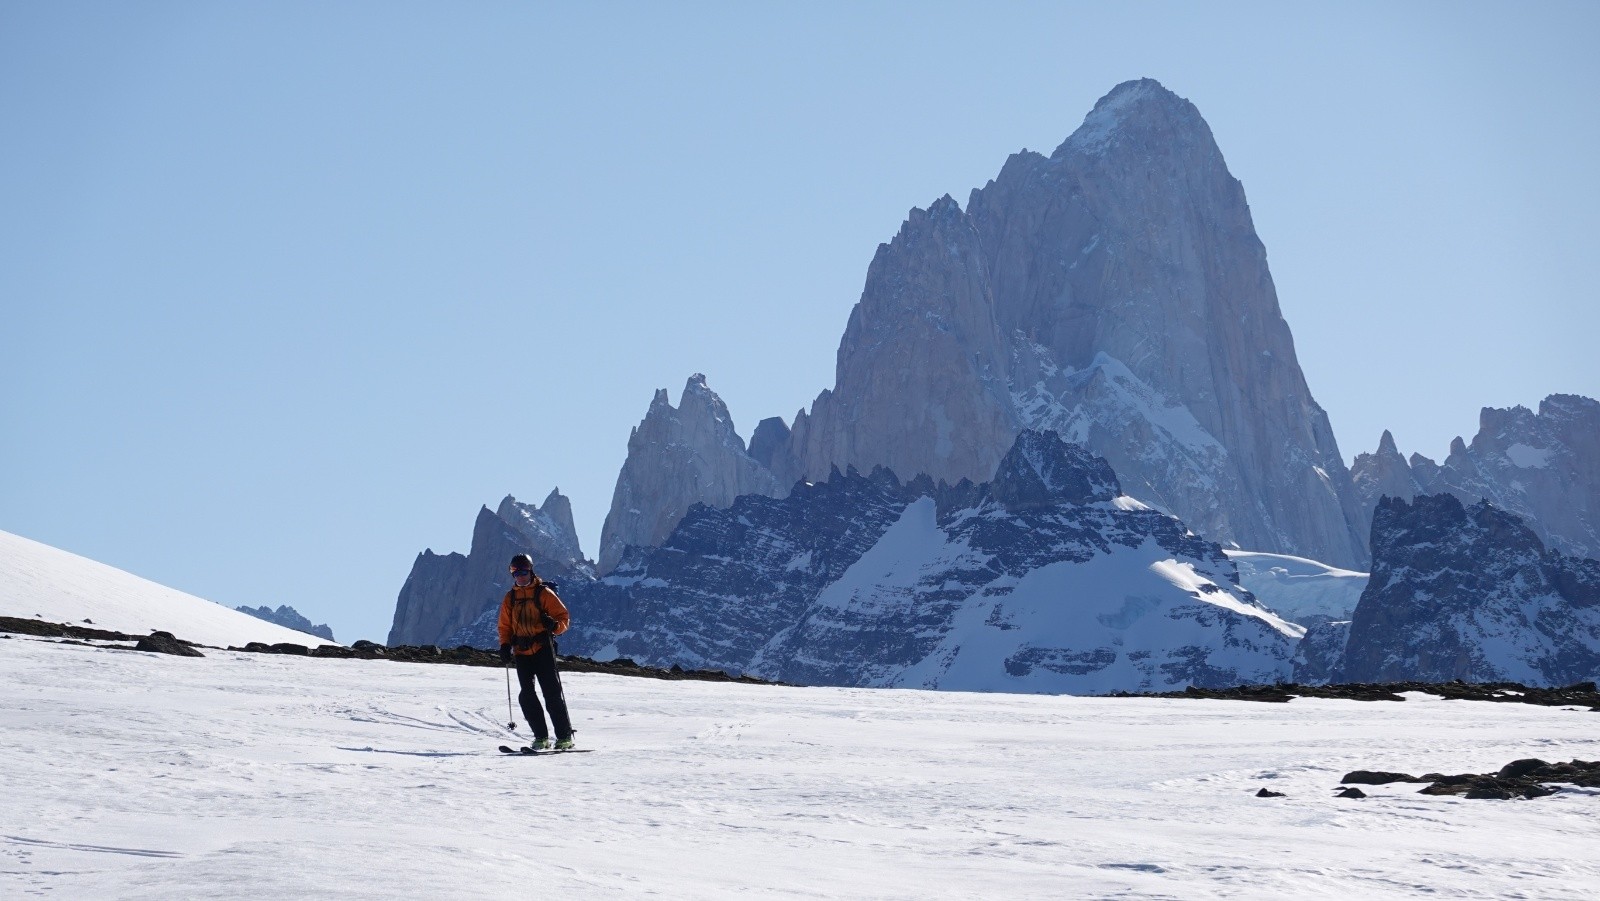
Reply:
x=1471, y=593
x=678, y=457
x=1543, y=467
x=1319, y=660
x=1527, y=778
x=166, y=643
x=445, y=592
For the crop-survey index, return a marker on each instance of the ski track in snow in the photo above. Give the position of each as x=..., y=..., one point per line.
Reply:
x=133, y=775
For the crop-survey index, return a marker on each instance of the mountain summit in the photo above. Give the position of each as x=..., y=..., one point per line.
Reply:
x=678, y=457
x=1114, y=292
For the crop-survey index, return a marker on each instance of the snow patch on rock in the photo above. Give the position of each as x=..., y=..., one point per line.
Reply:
x=1527, y=457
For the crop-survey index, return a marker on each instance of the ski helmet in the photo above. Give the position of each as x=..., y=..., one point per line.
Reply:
x=522, y=561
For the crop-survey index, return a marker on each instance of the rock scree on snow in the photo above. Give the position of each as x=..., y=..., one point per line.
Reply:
x=165, y=642
x=1526, y=778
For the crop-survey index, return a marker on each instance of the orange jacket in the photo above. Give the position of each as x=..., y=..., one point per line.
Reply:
x=522, y=612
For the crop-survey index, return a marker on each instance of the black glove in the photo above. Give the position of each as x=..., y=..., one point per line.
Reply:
x=505, y=653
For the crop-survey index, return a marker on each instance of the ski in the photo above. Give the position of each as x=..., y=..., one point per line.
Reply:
x=531, y=752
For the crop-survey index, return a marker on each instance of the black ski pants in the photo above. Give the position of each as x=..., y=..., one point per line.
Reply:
x=541, y=665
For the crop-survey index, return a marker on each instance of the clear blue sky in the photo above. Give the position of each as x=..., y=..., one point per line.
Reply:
x=288, y=290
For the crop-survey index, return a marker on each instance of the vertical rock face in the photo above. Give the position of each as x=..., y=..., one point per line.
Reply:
x=921, y=376
x=547, y=532
x=432, y=596
x=1543, y=467
x=678, y=458
x=1114, y=292
x=444, y=593
x=1471, y=593
x=1319, y=659
x=771, y=445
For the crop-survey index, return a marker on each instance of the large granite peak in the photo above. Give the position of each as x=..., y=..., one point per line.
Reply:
x=678, y=457
x=1116, y=293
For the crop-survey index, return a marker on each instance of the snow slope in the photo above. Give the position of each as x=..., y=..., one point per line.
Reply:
x=1299, y=590
x=41, y=582
x=1134, y=618
x=133, y=775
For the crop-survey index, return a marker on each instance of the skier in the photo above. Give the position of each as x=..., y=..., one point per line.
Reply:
x=531, y=615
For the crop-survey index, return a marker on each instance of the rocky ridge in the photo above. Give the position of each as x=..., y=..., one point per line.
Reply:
x=448, y=591
x=1046, y=578
x=289, y=618
x=678, y=457
x=1582, y=694
x=1543, y=467
x=1466, y=593
x=166, y=643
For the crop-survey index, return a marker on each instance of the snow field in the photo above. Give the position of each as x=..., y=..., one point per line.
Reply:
x=133, y=775
x=40, y=582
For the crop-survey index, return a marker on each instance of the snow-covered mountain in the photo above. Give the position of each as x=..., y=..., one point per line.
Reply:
x=1114, y=292
x=1466, y=593
x=45, y=583
x=1046, y=579
x=1543, y=467
x=445, y=592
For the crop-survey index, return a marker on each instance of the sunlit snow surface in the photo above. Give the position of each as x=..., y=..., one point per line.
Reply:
x=40, y=582
x=1299, y=589
x=133, y=775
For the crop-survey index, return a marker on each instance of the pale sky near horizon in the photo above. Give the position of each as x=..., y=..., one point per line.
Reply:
x=288, y=290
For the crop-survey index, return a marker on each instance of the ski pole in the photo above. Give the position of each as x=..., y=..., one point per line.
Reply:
x=512, y=717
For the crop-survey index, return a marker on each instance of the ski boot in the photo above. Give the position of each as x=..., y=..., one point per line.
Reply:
x=564, y=744
x=540, y=744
